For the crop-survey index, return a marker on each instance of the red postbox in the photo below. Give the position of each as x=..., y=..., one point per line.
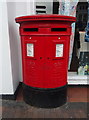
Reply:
x=45, y=41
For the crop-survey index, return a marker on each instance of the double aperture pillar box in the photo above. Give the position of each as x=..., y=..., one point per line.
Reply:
x=45, y=41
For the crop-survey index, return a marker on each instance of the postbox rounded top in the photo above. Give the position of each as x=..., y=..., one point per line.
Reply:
x=46, y=18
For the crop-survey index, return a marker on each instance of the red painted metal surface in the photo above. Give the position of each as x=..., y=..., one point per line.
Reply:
x=45, y=17
x=45, y=70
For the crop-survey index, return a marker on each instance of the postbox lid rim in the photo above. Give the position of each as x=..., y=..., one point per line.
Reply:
x=45, y=17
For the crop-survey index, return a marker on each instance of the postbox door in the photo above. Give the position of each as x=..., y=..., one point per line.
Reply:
x=56, y=60
x=33, y=60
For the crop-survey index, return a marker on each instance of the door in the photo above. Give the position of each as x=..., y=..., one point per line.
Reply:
x=33, y=60
x=55, y=61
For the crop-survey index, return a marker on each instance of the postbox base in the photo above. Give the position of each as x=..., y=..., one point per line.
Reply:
x=45, y=98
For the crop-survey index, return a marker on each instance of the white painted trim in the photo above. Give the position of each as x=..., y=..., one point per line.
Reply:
x=77, y=82
x=31, y=7
x=75, y=79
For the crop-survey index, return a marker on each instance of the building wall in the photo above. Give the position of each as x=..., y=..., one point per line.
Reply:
x=11, y=47
x=7, y=83
x=48, y=5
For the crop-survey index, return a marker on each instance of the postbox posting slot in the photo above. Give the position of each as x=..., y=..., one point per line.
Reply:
x=31, y=29
x=58, y=29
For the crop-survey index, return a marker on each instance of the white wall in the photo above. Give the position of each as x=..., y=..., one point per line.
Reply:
x=0, y=49
x=11, y=55
x=7, y=84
